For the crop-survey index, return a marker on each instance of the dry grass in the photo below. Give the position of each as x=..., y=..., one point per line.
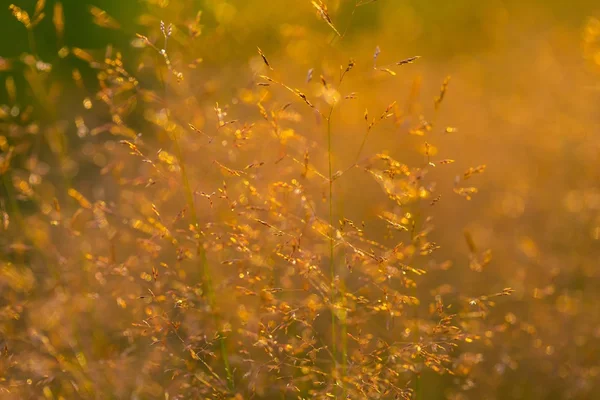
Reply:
x=304, y=225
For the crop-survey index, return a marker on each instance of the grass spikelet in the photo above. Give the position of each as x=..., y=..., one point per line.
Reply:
x=375, y=56
x=264, y=58
x=322, y=12
x=438, y=100
x=21, y=15
x=103, y=19
x=473, y=171
x=408, y=60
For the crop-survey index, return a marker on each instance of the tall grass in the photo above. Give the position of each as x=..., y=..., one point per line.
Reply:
x=254, y=328
x=281, y=227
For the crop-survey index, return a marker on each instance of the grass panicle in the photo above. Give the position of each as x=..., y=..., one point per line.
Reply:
x=184, y=215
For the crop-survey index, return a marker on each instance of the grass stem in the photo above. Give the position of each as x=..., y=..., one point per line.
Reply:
x=331, y=243
x=335, y=296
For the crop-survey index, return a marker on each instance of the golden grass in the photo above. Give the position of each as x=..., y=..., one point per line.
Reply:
x=178, y=225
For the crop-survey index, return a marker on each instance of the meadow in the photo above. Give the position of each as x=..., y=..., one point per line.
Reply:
x=345, y=199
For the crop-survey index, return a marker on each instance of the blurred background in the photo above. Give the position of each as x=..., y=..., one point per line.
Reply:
x=524, y=99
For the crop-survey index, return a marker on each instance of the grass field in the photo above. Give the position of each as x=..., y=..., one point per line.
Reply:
x=351, y=199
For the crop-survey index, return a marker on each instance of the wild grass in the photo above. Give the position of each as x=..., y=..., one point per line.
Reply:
x=298, y=225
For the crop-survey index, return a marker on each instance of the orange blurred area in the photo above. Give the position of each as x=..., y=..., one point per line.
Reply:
x=300, y=199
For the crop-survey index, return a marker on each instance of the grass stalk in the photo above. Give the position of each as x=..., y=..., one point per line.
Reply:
x=331, y=244
x=208, y=287
x=332, y=269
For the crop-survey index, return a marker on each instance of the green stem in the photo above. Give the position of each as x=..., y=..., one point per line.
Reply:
x=360, y=149
x=331, y=244
x=334, y=296
x=418, y=388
